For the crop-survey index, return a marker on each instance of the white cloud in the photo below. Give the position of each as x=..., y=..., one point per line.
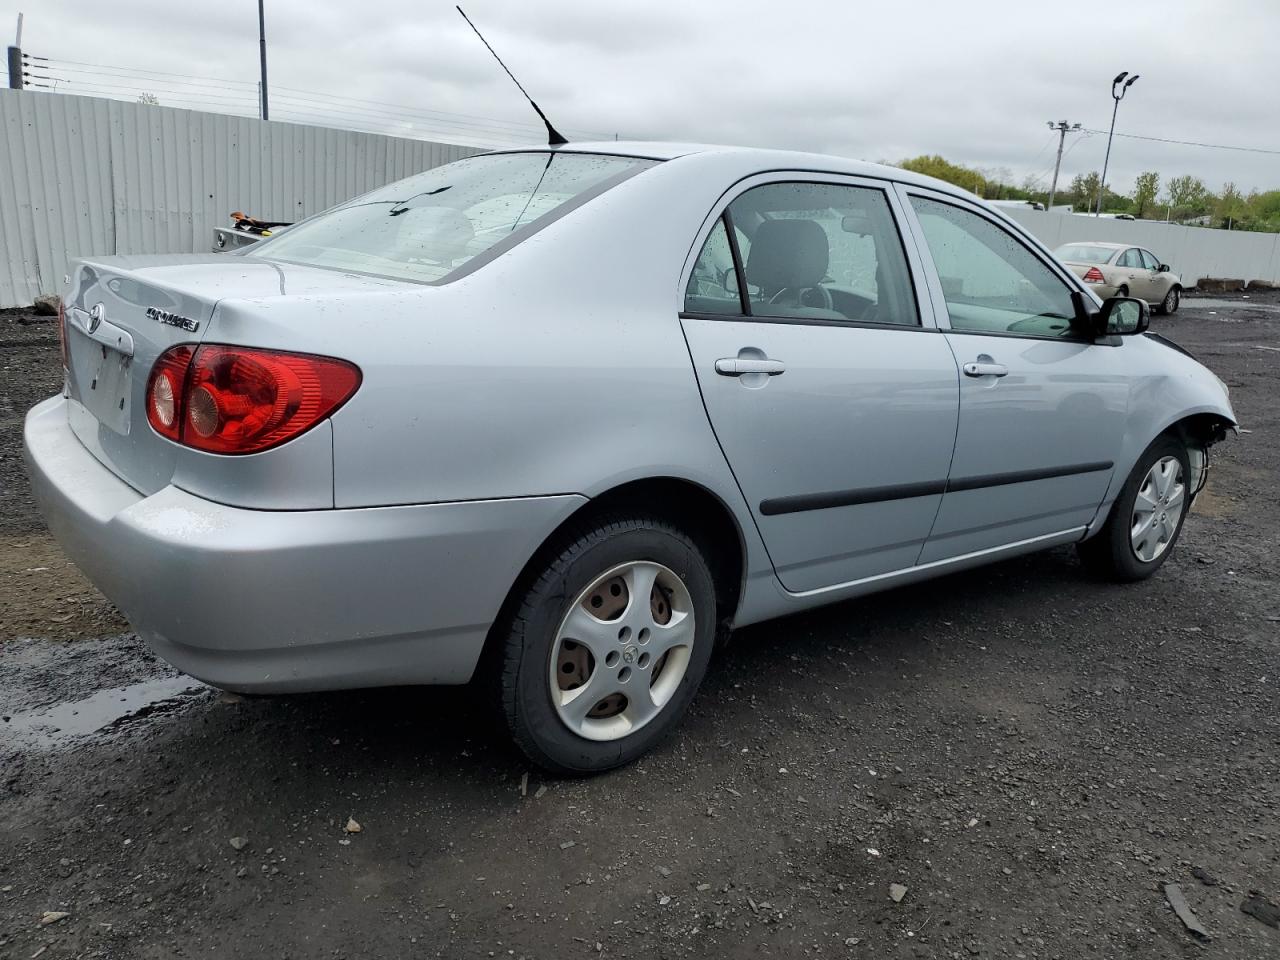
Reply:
x=974, y=82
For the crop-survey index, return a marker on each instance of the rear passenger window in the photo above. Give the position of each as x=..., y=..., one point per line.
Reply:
x=991, y=282
x=713, y=285
x=1129, y=258
x=819, y=251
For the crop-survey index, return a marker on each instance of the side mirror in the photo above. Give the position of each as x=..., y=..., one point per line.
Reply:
x=1122, y=316
x=729, y=280
x=1163, y=268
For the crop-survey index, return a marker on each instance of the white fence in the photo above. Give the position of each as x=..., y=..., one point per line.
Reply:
x=85, y=176
x=1194, y=252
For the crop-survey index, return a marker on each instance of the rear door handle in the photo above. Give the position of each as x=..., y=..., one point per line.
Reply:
x=737, y=366
x=985, y=368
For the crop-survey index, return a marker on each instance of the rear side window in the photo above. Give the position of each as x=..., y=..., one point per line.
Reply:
x=713, y=285
x=809, y=251
x=1129, y=258
x=426, y=227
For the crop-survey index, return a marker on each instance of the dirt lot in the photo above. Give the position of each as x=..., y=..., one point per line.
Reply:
x=1031, y=753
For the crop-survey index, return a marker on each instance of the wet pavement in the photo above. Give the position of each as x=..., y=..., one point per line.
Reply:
x=1033, y=755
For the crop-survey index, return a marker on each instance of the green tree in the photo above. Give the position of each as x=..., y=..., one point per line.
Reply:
x=1188, y=196
x=1145, y=190
x=1230, y=205
x=936, y=166
x=1084, y=191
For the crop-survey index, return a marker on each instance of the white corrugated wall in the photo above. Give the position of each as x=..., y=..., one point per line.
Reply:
x=84, y=176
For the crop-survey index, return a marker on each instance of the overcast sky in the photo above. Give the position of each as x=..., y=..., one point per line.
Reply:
x=975, y=82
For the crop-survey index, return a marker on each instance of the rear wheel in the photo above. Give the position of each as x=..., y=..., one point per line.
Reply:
x=1170, y=302
x=1146, y=518
x=608, y=646
x=1123, y=291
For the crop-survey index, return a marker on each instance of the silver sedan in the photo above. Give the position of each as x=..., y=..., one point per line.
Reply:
x=560, y=418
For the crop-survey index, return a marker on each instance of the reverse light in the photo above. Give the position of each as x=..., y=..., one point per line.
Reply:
x=234, y=400
x=1094, y=275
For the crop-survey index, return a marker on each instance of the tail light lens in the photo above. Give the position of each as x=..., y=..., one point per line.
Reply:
x=239, y=400
x=62, y=334
x=1094, y=275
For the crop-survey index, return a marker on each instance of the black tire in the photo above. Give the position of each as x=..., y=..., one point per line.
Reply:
x=1122, y=291
x=1172, y=300
x=1109, y=553
x=528, y=639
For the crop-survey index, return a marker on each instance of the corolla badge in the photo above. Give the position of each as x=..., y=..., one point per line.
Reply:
x=173, y=320
x=96, y=314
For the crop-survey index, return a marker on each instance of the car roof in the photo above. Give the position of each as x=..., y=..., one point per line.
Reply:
x=1104, y=244
x=761, y=158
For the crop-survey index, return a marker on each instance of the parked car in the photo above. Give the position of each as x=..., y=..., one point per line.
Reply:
x=1121, y=270
x=560, y=417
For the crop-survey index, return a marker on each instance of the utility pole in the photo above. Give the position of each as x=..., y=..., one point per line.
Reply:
x=262, y=49
x=1117, y=97
x=15, y=59
x=1063, y=129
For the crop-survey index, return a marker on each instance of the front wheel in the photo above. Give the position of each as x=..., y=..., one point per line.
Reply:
x=608, y=646
x=1146, y=518
x=1170, y=302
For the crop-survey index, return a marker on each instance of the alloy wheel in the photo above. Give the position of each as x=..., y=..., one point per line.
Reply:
x=621, y=650
x=1157, y=508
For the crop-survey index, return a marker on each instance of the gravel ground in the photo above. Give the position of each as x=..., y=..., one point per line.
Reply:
x=1030, y=753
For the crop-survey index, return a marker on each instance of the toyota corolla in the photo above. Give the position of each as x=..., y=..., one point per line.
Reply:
x=559, y=418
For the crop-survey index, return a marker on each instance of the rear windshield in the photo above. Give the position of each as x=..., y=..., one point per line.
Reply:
x=1084, y=253
x=427, y=226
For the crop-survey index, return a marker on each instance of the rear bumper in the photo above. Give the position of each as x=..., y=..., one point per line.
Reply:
x=281, y=601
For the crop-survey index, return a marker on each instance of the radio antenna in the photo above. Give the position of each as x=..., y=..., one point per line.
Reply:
x=554, y=138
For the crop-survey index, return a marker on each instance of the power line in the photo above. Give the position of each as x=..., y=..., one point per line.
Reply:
x=1192, y=143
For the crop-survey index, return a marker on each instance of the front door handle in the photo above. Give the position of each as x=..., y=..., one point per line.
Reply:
x=738, y=366
x=985, y=368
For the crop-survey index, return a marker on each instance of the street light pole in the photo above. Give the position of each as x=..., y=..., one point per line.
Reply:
x=262, y=50
x=1117, y=97
x=1063, y=129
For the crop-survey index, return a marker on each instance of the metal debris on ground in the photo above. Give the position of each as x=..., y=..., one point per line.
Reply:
x=1204, y=876
x=1261, y=909
x=1173, y=893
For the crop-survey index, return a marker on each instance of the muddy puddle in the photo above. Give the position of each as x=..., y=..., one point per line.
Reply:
x=101, y=713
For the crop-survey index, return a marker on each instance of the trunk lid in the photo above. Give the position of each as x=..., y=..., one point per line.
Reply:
x=123, y=312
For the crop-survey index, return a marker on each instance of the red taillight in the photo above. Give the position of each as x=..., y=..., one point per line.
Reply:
x=240, y=400
x=164, y=391
x=1094, y=275
x=62, y=334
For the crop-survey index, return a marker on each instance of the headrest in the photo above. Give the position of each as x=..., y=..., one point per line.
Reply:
x=788, y=253
x=442, y=233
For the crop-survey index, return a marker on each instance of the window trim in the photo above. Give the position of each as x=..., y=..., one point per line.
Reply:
x=926, y=319
x=1015, y=230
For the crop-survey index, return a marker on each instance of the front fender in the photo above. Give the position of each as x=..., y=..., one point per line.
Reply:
x=1168, y=388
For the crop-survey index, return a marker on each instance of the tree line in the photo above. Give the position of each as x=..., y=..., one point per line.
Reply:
x=1183, y=199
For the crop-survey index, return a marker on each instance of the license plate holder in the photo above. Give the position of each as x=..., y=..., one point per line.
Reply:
x=104, y=379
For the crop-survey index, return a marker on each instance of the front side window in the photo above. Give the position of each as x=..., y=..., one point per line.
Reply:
x=1148, y=260
x=427, y=226
x=817, y=251
x=991, y=282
